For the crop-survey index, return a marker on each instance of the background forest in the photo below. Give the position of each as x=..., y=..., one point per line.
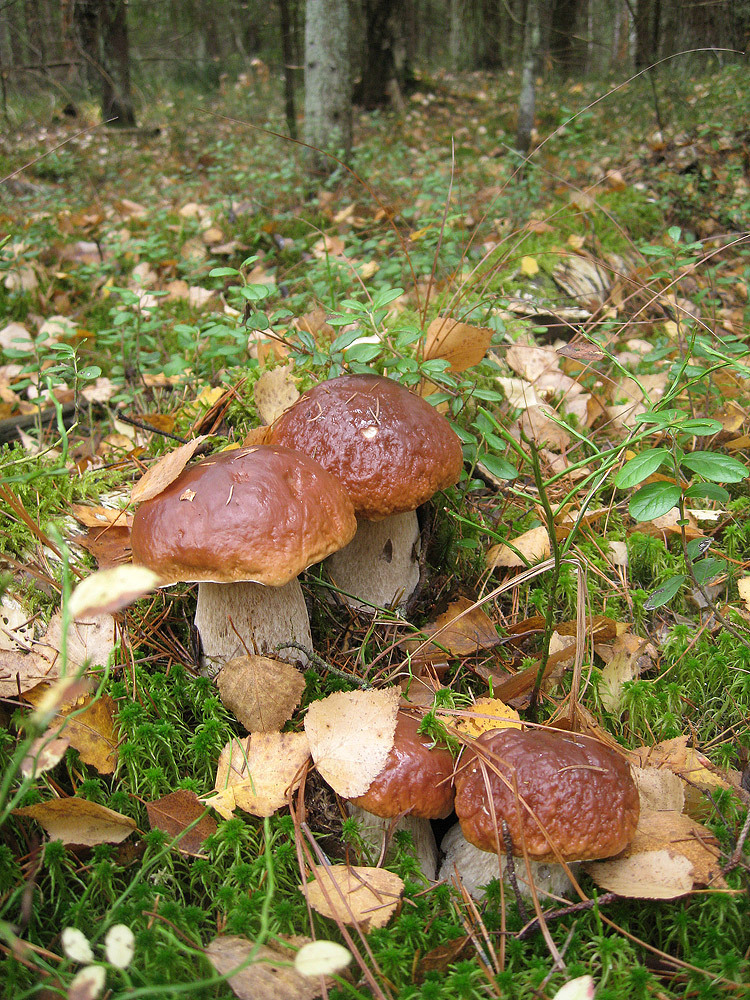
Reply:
x=534, y=215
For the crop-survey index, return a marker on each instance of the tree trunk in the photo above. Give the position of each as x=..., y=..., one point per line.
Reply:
x=328, y=89
x=287, y=48
x=86, y=22
x=379, y=64
x=456, y=36
x=646, y=25
x=562, y=42
x=117, y=104
x=527, y=99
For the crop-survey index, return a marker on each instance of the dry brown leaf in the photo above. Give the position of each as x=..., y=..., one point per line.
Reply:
x=355, y=895
x=20, y=671
x=257, y=435
x=174, y=813
x=485, y=715
x=91, y=641
x=697, y=772
x=351, y=734
x=679, y=834
x=460, y=344
x=743, y=588
x=625, y=665
x=109, y=546
x=530, y=361
x=100, y=517
x=80, y=822
x=658, y=789
x=260, y=691
x=44, y=753
x=459, y=636
x=519, y=393
x=540, y=423
x=652, y=875
x=275, y=392
x=269, y=976
x=86, y=721
x=166, y=470
x=258, y=771
x=314, y=322
x=533, y=544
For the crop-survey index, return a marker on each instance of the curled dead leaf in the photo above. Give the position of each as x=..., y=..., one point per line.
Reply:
x=355, y=895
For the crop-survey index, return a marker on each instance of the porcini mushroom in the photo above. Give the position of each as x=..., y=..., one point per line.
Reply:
x=392, y=451
x=564, y=797
x=244, y=524
x=414, y=786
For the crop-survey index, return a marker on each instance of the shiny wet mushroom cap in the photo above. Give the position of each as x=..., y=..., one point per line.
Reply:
x=392, y=451
x=579, y=790
x=244, y=523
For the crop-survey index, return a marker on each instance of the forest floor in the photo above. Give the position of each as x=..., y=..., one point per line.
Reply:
x=580, y=317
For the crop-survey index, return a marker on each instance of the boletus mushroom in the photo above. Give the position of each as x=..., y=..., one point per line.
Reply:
x=563, y=796
x=414, y=786
x=392, y=451
x=244, y=524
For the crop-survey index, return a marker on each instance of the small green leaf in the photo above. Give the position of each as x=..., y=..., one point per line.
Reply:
x=701, y=427
x=653, y=500
x=222, y=272
x=664, y=593
x=345, y=339
x=499, y=467
x=698, y=547
x=363, y=352
x=707, y=569
x=92, y=371
x=708, y=491
x=715, y=467
x=641, y=467
x=386, y=296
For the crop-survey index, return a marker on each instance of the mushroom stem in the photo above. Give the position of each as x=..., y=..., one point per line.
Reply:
x=235, y=619
x=476, y=868
x=374, y=829
x=380, y=566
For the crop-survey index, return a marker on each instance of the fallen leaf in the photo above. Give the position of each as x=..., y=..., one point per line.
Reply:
x=109, y=546
x=174, y=813
x=529, y=266
x=80, y=822
x=364, y=896
x=542, y=425
x=459, y=636
x=679, y=834
x=260, y=691
x=321, y=958
x=519, y=393
x=530, y=361
x=582, y=988
x=166, y=470
x=351, y=734
x=485, y=715
x=652, y=875
x=624, y=666
x=255, y=774
x=44, y=753
x=268, y=973
x=109, y=590
x=460, y=344
x=257, y=435
x=89, y=642
x=658, y=789
x=85, y=720
x=743, y=588
x=534, y=545
x=101, y=517
x=275, y=392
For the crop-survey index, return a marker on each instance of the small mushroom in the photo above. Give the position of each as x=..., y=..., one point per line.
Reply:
x=415, y=786
x=244, y=524
x=392, y=451
x=563, y=796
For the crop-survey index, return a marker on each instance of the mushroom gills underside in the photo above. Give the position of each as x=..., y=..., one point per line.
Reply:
x=234, y=619
x=379, y=568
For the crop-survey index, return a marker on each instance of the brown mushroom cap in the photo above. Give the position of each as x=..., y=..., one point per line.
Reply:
x=388, y=446
x=581, y=791
x=260, y=514
x=417, y=778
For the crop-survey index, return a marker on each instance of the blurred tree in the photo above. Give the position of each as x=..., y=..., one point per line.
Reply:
x=328, y=87
x=530, y=61
x=102, y=27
